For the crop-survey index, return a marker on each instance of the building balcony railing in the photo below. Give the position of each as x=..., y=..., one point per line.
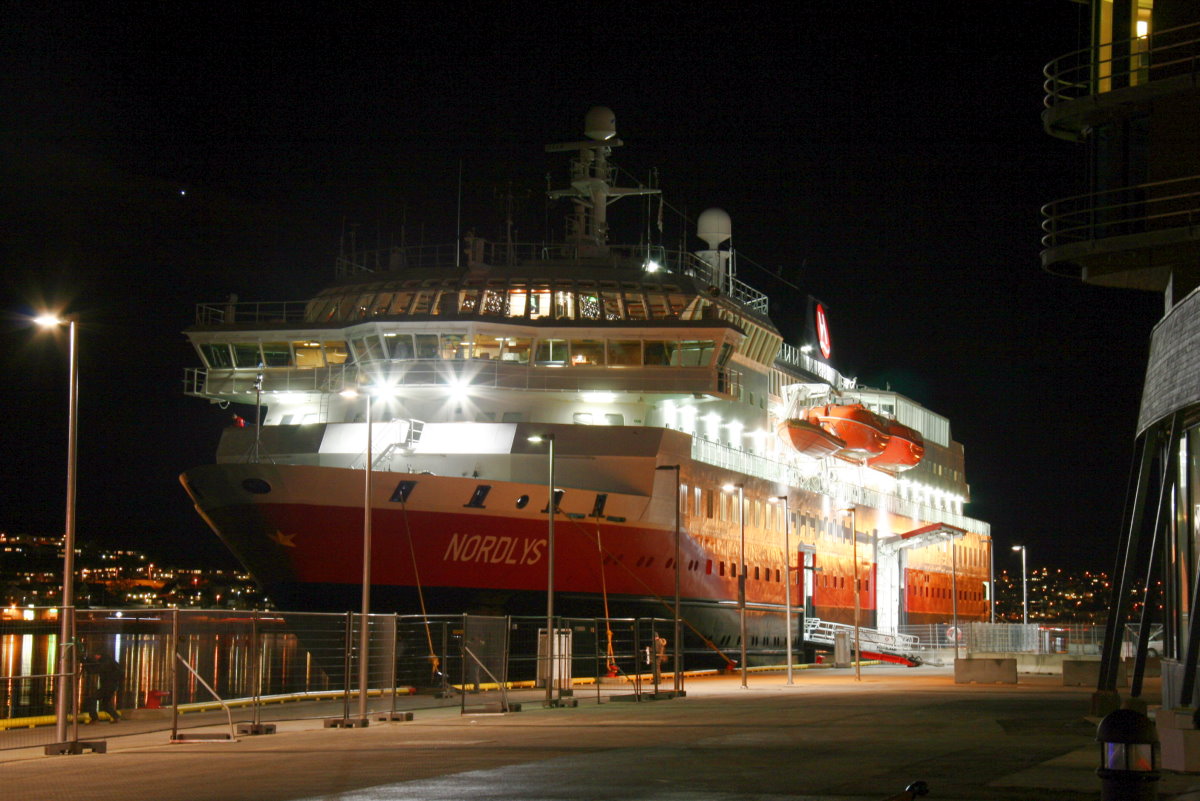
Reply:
x=1142, y=209
x=1142, y=60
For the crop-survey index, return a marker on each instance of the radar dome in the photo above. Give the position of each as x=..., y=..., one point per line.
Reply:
x=600, y=124
x=714, y=227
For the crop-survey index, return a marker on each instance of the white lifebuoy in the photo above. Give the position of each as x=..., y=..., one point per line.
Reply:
x=953, y=634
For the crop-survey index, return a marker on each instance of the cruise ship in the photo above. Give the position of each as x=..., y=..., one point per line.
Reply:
x=628, y=411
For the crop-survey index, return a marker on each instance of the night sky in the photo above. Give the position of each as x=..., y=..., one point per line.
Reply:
x=889, y=162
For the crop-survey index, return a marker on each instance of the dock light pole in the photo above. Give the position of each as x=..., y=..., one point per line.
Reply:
x=1024, y=586
x=550, y=510
x=853, y=511
x=65, y=697
x=787, y=580
x=678, y=673
x=741, y=491
x=364, y=639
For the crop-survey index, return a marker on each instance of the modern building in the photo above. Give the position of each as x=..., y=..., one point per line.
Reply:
x=1132, y=99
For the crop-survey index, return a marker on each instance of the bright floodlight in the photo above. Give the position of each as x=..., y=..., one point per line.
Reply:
x=48, y=320
x=1018, y=547
x=349, y=393
x=535, y=438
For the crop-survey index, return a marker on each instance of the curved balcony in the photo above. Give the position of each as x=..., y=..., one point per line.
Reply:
x=1091, y=236
x=1091, y=84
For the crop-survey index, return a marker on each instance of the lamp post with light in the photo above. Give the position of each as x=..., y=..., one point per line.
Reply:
x=741, y=491
x=1024, y=586
x=787, y=580
x=550, y=509
x=853, y=510
x=677, y=668
x=364, y=640
x=64, y=698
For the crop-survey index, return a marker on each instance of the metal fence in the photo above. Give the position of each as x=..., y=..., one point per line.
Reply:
x=280, y=665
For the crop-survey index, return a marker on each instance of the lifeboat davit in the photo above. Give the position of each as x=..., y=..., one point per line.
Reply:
x=863, y=431
x=809, y=438
x=905, y=448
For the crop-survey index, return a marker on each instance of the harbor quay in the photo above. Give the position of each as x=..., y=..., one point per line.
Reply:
x=826, y=736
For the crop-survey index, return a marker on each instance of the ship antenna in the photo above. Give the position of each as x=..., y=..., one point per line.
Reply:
x=458, y=222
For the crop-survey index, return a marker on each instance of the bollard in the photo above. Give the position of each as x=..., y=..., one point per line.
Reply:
x=1128, y=757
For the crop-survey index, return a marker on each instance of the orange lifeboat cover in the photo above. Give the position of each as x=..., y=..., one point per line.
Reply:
x=863, y=431
x=904, y=450
x=809, y=438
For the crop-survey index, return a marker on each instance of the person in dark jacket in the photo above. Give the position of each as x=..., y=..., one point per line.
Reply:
x=105, y=674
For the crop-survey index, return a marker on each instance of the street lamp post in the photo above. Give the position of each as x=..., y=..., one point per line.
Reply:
x=1024, y=585
x=550, y=510
x=787, y=580
x=741, y=491
x=64, y=698
x=853, y=510
x=677, y=668
x=364, y=640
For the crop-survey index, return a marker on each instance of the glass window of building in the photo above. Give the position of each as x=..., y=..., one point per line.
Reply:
x=625, y=352
x=516, y=349
x=400, y=346
x=659, y=353
x=694, y=353
x=217, y=357
x=614, y=419
x=587, y=352
x=245, y=354
x=276, y=354
x=611, y=303
x=427, y=346
x=468, y=301
x=336, y=352
x=493, y=303
x=423, y=302
x=488, y=346
x=589, y=306
x=516, y=303
x=455, y=346
x=551, y=352
x=308, y=353
x=564, y=305
x=539, y=303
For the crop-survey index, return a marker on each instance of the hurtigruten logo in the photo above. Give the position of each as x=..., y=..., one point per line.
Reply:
x=490, y=549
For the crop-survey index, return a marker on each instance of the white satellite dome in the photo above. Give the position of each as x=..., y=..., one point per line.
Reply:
x=714, y=227
x=600, y=124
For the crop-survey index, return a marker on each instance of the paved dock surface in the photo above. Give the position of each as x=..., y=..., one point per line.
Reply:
x=825, y=737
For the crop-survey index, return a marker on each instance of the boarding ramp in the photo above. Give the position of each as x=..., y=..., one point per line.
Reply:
x=874, y=644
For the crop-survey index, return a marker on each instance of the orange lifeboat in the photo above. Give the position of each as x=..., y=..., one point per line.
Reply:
x=807, y=437
x=904, y=450
x=863, y=431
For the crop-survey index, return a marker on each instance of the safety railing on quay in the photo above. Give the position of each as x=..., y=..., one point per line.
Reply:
x=258, y=666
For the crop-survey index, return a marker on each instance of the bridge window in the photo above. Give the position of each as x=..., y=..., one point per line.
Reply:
x=336, y=353
x=216, y=356
x=308, y=354
x=427, y=346
x=587, y=352
x=623, y=352
x=245, y=354
x=516, y=349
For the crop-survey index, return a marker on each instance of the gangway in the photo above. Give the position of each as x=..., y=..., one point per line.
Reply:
x=883, y=645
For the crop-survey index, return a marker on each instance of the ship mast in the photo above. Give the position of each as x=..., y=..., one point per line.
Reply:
x=592, y=187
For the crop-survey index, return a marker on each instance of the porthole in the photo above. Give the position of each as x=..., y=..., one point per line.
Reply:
x=522, y=502
x=256, y=486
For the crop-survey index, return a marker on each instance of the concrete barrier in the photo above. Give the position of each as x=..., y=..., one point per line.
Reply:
x=1086, y=673
x=985, y=671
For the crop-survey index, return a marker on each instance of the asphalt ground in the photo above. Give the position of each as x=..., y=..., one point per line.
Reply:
x=827, y=736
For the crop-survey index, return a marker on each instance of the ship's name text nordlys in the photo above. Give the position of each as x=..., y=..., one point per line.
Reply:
x=494, y=550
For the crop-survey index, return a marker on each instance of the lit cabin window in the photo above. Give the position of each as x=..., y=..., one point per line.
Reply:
x=217, y=356
x=276, y=354
x=551, y=352
x=308, y=354
x=635, y=306
x=611, y=305
x=587, y=352
x=245, y=354
x=589, y=306
x=539, y=303
x=564, y=305
x=625, y=352
x=400, y=346
x=455, y=346
x=516, y=349
x=427, y=346
x=493, y=303
x=336, y=353
x=516, y=303
x=693, y=353
x=488, y=347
